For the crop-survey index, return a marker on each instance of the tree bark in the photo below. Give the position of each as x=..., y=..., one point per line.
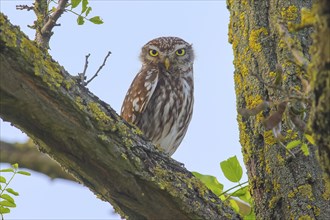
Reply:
x=283, y=186
x=320, y=70
x=89, y=140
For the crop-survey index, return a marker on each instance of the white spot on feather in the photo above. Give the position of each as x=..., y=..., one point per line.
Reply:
x=136, y=106
x=147, y=85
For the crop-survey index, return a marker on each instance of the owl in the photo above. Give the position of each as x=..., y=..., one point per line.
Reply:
x=161, y=97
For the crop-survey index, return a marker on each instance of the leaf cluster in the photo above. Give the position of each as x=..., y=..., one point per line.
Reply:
x=7, y=200
x=239, y=199
x=49, y=11
x=85, y=10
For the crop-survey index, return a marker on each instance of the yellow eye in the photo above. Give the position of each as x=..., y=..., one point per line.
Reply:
x=180, y=52
x=153, y=53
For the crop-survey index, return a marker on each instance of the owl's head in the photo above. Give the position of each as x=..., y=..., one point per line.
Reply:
x=170, y=53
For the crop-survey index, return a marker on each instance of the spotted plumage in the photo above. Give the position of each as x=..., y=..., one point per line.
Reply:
x=160, y=98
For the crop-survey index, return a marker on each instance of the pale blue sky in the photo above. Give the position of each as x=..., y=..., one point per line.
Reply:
x=128, y=25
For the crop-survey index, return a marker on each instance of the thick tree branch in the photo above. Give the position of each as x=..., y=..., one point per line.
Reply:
x=88, y=139
x=28, y=156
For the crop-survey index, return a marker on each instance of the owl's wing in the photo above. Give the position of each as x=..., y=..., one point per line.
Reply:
x=139, y=94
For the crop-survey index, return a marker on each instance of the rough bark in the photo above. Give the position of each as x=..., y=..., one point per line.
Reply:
x=88, y=139
x=320, y=70
x=283, y=187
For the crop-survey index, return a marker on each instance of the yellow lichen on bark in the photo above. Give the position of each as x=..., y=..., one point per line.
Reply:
x=255, y=39
x=289, y=13
x=269, y=138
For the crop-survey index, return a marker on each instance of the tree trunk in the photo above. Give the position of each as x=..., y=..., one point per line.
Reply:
x=320, y=70
x=89, y=140
x=283, y=186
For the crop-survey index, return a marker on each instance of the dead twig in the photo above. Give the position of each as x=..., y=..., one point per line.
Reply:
x=97, y=72
x=24, y=7
x=82, y=76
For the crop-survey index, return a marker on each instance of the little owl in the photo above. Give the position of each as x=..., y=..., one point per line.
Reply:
x=160, y=98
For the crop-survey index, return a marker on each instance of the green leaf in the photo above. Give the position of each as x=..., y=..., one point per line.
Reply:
x=7, y=203
x=8, y=198
x=250, y=216
x=89, y=9
x=4, y=210
x=293, y=144
x=211, y=182
x=24, y=173
x=2, y=179
x=240, y=192
x=7, y=170
x=84, y=6
x=234, y=205
x=10, y=190
x=75, y=3
x=223, y=197
x=246, y=198
x=15, y=166
x=96, y=20
x=304, y=149
x=232, y=169
x=80, y=20
x=310, y=139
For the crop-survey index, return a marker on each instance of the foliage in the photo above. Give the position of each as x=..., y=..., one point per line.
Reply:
x=49, y=11
x=302, y=143
x=53, y=7
x=240, y=199
x=85, y=10
x=6, y=194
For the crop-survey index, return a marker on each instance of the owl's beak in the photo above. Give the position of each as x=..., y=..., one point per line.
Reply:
x=167, y=63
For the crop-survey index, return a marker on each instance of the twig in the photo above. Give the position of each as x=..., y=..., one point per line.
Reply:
x=24, y=7
x=230, y=195
x=97, y=72
x=82, y=76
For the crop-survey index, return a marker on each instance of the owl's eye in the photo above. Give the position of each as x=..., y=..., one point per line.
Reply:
x=180, y=52
x=153, y=53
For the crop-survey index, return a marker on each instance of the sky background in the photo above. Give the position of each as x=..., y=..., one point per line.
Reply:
x=213, y=133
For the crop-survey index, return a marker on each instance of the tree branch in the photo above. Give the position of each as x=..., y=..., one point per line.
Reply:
x=28, y=156
x=88, y=139
x=45, y=22
x=51, y=22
